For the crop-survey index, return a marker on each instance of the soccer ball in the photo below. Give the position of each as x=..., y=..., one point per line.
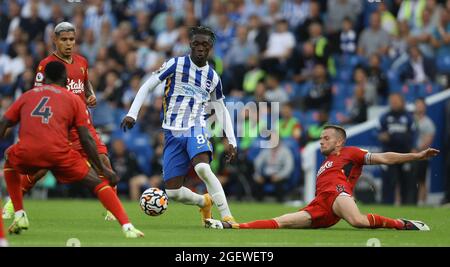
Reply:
x=154, y=201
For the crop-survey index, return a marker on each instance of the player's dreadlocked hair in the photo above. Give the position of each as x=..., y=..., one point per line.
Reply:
x=202, y=30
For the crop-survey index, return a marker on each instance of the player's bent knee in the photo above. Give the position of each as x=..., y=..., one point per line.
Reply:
x=174, y=194
x=294, y=220
x=174, y=183
x=202, y=169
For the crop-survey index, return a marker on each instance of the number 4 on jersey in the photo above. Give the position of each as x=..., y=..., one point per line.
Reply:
x=45, y=112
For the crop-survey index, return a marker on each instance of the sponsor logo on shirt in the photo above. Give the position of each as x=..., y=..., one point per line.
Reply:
x=76, y=87
x=324, y=167
x=195, y=91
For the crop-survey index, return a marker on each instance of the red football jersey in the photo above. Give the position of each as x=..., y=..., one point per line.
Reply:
x=46, y=113
x=340, y=172
x=77, y=82
x=77, y=73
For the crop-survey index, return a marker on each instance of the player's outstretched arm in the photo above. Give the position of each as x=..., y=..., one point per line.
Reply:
x=224, y=119
x=91, y=99
x=4, y=125
x=397, y=158
x=129, y=121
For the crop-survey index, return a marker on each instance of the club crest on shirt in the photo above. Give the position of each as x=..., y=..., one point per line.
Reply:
x=163, y=66
x=340, y=188
x=208, y=84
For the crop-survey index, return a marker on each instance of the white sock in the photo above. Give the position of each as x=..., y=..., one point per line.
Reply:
x=3, y=242
x=127, y=226
x=214, y=188
x=186, y=196
x=19, y=213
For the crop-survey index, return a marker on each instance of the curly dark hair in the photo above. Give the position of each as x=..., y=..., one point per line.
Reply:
x=202, y=30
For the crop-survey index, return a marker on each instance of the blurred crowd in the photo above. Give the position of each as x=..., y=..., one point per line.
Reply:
x=325, y=61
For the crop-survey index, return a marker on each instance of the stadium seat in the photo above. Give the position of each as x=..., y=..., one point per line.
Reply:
x=344, y=74
x=443, y=63
x=341, y=93
x=336, y=116
x=393, y=81
x=143, y=150
x=425, y=90
x=103, y=115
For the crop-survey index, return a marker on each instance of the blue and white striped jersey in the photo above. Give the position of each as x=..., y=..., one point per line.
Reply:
x=187, y=89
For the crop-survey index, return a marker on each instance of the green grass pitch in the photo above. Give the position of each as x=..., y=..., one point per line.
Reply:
x=53, y=222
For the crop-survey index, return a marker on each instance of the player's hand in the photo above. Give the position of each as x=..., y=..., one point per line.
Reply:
x=428, y=153
x=127, y=123
x=111, y=176
x=91, y=101
x=230, y=153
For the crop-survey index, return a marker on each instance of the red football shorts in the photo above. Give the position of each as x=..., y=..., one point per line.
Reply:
x=321, y=210
x=67, y=168
x=75, y=141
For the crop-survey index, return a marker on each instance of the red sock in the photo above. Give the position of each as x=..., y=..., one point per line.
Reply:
x=26, y=182
x=2, y=233
x=111, y=202
x=377, y=221
x=261, y=224
x=107, y=181
x=12, y=179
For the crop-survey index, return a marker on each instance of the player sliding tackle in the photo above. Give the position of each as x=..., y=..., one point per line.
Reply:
x=46, y=114
x=190, y=84
x=336, y=179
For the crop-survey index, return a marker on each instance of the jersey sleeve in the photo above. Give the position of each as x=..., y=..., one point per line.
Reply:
x=13, y=112
x=167, y=69
x=80, y=112
x=40, y=77
x=217, y=93
x=359, y=155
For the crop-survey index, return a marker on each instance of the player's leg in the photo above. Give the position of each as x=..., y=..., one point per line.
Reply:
x=27, y=182
x=295, y=220
x=176, y=165
x=110, y=201
x=345, y=207
x=12, y=179
x=178, y=192
x=215, y=190
x=200, y=152
x=107, y=163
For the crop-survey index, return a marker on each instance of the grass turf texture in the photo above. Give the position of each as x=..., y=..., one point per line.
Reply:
x=53, y=222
